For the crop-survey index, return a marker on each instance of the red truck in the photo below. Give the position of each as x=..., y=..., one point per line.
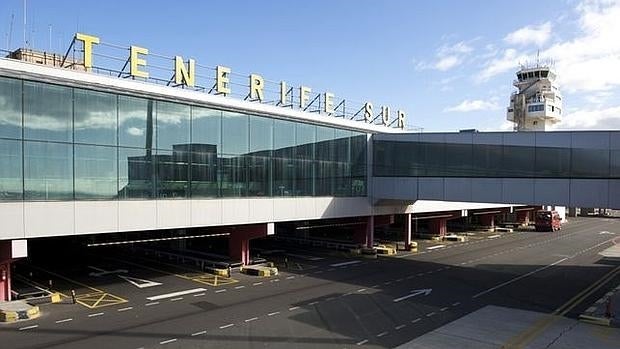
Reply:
x=548, y=220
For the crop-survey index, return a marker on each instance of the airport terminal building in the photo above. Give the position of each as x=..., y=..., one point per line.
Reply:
x=85, y=151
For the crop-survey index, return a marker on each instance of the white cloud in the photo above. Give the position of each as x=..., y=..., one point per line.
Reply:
x=592, y=119
x=508, y=61
x=447, y=57
x=472, y=105
x=531, y=34
x=447, y=63
x=134, y=131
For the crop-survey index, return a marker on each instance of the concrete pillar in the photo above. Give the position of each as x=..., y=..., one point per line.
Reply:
x=239, y=241
x=407, y=229
x=5, y=281
x=370, y=232
x=438, y=226
x=487, y=220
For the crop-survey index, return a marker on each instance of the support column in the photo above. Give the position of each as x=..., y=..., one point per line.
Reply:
x=487, y=220
x=5, y=280
x=9, y=251
x=438, y=226
x=370, y=232
x=239, y=240
x=407, y=230
x=523, y=217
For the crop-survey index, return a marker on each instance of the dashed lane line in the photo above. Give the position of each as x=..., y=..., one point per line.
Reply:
x=176, y=299
x=226, y=326
x=399, y=327
x=95, y=314
x=362, y=342
x=124, y=309
x=150, y=304
x=293, y=308
x=63, y=320
x=382, y=334
x=168, y=341
x=251, y=319
x=199, y=294
x=220, y=291
x=274, y=313
x=28, y=327
x=199, y=333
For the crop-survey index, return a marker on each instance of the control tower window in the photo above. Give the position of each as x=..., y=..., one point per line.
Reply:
x=544, y=73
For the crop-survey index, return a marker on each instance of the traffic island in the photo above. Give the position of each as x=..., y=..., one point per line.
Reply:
x=259, y=270
x=605, y=310
x=18, y=310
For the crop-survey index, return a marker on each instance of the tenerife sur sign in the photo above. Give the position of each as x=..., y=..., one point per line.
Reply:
x=185, y=74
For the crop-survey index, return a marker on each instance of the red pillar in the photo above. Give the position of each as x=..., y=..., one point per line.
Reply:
x=5, y=281
x=239, y=241
x=438, y=226
x=364, y=233
x=523, y=217
x=487, y=220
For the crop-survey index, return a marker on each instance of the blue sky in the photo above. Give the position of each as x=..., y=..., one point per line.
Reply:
x=448, y=64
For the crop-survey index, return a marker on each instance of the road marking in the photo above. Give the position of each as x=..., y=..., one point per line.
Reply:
x=415, y=320
x=493, y=236
x=64, y=320
x=28, y=327
x=290, y=277
x=293, y=308
x=257, y=283
x=518, y=278
x=175, y=294
x=382, y=334
x=274, y=313
x=344, y=263
x=399, y=327
x=361, y=290
x=430, y=314
x=139, y=283
x=399, y=280
x=313, y=303
x=455, y=304
x=226, y=326
x=435, y=247
x=251, y=319
x=95, y=314
x=102, y=272
x=309, y=258
x=387, y=282
x=151, y=303
x=330, y=299
x=168, y=341
x=176, y=299
x=198, y=333
x=199, y=294
x=331, y=269
x=591, y=309
x=362, y=342
x=318, y=272
x=374, y=286
x=443, y=309
x=414, y=293
x=124, y=309
x=239, y=287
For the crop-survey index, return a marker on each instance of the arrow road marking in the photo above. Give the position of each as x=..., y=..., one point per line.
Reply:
x=414, y=293
x=102, y=272
x=139, y=283
x=606, y=233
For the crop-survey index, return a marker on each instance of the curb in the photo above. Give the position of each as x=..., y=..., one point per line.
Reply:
x=13, y=316
x=595, y=320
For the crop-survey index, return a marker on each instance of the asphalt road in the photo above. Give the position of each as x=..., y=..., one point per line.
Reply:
x=128, y=300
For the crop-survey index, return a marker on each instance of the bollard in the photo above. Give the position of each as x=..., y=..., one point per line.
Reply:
x=215, y=282
x=49, y=283
x=229, y=270
x=73, y=296
x=286, y=262
x=608, y=308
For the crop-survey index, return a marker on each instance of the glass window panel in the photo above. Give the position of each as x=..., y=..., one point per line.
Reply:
x=233, y=176
x=283, y=177
x=325, y=147
x=305, y=136
x=48, y=171
x=172, y=124
x=590, y=163
x=383, y=165
x=11, y=180
x=261, y=136
x=519, y=161
x=304, y=177
x=487, y=160
x=135, y=122
x=136, y=173
x=10, y=108
x=172, y=173
x=552, y=162
x=96, y=175
x=324, y=180
x=48, y=112
x=234, y=133
x=433, y=155
x=615, y=163
x=203, y=171
x=458, y=160
x=95, y=117
x=284, y=139
x=259, y=175
x=207, y=127
x=342, y=144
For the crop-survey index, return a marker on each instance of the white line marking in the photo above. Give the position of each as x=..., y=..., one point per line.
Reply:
x=361, y=290
x=493, y=236
x=435, y=247
x=151, y=303
x=257, y=283
x=28, y=327
x=239, y=287
x=198, y=333
x=362, y=342
x=251, y=319
x=382, y=334
x=313, y=303
x=344, y=263
x=399, y=327
x=274, y=313
x=290, y=277
x=218, y=291
x=168, y=341
x=95, y=314
x=226, y=326
x=64, y=320
x=199, y=294
x=455, y=304
x=176, y=299
x=591, y=310
x=430, y=314
x=415, y=320
x=518, y=278
x=293, y=308
x=443, y=309
x=399, y=280
x=175, y=294
x=124, y=309
x=330, y=299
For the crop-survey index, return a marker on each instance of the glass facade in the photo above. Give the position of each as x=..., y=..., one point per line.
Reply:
x=437, y=159
x=63, y=143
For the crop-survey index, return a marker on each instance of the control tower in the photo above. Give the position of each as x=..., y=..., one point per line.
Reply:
x=538, y=102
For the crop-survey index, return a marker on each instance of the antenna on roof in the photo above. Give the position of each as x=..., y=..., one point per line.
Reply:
x=24, y=43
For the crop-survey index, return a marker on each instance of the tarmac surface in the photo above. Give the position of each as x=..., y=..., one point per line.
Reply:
x=321, y=299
